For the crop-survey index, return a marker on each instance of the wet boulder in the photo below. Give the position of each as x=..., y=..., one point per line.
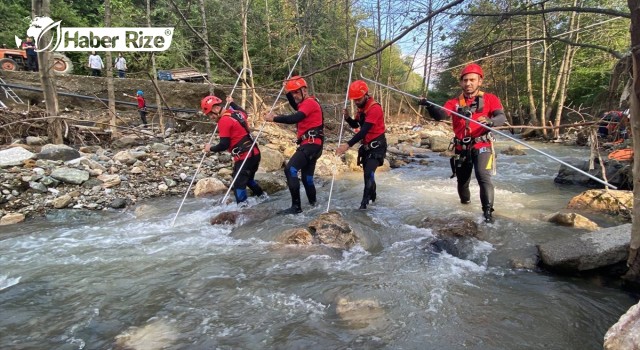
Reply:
x=588, y=251
x=619, y=174
x=11, y=218
x=453, y=235
x=605, y=201
x=329, y=229
x=573, y=220
x=451, y=227
x=625, y=334
x=244, y=216
x=225, y=218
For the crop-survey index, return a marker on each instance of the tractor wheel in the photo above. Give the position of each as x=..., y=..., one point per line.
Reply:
x=8, y=64
x=62, y=64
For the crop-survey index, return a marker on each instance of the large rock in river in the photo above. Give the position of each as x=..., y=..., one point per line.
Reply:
x=588, y=251
x=625, y=334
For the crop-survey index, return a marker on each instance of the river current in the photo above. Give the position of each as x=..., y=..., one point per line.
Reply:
x=78, y=280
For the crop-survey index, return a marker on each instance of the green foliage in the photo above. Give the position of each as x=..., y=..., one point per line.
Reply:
x=277, y=29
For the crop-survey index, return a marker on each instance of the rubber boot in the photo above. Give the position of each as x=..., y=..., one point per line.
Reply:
x=366, y=196
x=373, y=194
x=488, y=216
x=296, y=208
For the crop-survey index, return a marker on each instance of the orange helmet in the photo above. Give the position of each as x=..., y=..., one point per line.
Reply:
x=472, y=68
x=357, y=90
x=208, y=102
x=294, y=83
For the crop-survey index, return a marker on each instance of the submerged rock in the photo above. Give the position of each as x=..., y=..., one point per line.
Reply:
x=573, y=220
x=329, y=229
x=451, y=227
x=361, y=314
x=156, y=335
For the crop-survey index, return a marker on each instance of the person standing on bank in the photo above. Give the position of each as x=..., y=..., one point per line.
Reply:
x=310, y=131
x=235, y=137
x=370, y=119
x=32, y=57
x=95, y=64
x=142, y=106
x=120, y=65
x=472, y=142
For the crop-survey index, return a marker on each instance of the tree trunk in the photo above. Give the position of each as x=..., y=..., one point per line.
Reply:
x=565, y=71
x=154, y=72
x=245, y=50
x=41, y=8
x=109, y=66
x=543, y=83
x=533, y=113
x=205, y=34
x=633, y=261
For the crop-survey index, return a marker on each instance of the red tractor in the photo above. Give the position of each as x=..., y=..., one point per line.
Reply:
x=14, y=59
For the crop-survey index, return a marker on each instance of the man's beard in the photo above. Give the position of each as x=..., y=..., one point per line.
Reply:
x=363, y=103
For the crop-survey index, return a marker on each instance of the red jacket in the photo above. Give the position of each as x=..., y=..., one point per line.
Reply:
x=372, y=114
x=231, y=128
x=313, y=118
x=463, y=128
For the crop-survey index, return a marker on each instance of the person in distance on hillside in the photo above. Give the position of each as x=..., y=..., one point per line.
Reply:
x=120, y=65
x=373, y=149
x=472, y=141
x=95, y=64
x=32, y=57
x=310, y=131
x=142, y=106
x=235, y=137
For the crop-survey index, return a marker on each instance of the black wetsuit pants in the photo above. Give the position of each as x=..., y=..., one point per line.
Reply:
x=478, y=160
x=304, y=161
x=370, y=160
x=246, y=178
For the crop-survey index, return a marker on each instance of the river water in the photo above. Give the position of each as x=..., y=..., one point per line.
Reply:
x=78, y=280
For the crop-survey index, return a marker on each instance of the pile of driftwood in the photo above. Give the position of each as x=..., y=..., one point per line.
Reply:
x=35, y=122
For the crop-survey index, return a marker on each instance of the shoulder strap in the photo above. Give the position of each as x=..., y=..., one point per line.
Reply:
x=476, y=106
x=238, y=117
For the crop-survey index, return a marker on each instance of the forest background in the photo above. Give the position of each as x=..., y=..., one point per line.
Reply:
x=546, y=60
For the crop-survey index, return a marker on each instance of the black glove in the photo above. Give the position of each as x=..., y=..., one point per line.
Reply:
x=486, y=121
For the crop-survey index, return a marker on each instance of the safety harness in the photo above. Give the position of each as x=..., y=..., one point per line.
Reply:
x=245, y=143
x=315, y=132
x=312, y=134
x=367, y=150
x=466, y=143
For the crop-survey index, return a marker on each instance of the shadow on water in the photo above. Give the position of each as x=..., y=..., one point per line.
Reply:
x=78, y=280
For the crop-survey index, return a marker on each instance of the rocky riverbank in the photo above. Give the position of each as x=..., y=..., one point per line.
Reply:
x=37, y=176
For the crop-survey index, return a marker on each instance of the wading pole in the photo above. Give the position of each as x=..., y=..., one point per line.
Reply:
x=204, y=154
x=346, y=100
x=226, y=195
x=501, y=133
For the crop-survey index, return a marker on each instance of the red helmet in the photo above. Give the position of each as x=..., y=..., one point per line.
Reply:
x=208, y=102
x=472, y=68
x=357, y=90
x=294, y=83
